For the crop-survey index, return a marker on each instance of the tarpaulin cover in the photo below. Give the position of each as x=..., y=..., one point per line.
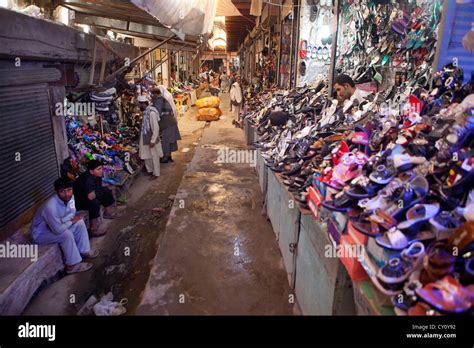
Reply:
x=191, y=17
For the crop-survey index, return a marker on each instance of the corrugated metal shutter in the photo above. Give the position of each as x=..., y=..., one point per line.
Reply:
x=459, y=19
x=25, y=129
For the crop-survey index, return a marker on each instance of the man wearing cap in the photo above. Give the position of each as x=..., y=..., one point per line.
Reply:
x=347, y=90
x=91, y=195
x=150, y=146
x=236, y=98
x=56, y=222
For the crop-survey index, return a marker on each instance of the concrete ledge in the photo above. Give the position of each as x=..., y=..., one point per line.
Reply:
x=21, y=277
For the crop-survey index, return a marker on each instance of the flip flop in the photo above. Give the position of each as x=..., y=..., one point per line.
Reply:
x=79, y=267
x=92, y=254
x=96, y=233
x=394, y=239
x=418, y=214
x=111, y=216
x=448, y=295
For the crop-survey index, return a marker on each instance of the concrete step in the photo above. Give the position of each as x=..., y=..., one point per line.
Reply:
x=20, y=278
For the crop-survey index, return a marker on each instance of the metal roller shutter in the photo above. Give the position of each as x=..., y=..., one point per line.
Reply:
x=25, y=130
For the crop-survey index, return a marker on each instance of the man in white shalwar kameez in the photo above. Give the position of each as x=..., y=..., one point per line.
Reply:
x=150, y=145
x=236, y=98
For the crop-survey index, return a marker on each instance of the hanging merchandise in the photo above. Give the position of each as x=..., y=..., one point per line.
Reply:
x=378, y=41
x=315, y=29
x=286, y=52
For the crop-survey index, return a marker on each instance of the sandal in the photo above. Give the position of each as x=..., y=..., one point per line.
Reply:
x=110, y=216
x=92, y=254
x=394, y=239
x=361, y=187
x=79, y=267
x=417, y=214
x=97, y=233
x=448, y=295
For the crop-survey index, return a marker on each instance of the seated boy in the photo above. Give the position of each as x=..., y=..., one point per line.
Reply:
x=57, y=222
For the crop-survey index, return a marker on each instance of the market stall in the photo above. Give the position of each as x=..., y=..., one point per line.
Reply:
x=103, y=135
x=393, y=185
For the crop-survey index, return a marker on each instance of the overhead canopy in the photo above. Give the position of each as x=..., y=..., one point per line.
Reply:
x=191, y=17
x=227, y=8
x=121, y=17
x=238, y=27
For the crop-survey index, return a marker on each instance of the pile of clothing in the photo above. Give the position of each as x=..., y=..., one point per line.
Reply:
x=398, y=168
x=118, y=150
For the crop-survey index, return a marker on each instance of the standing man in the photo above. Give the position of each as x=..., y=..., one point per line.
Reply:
x=163, y=102
x=150, y=146
x=236, y=99
x=91, y=195
x=231, y=82
x=56, y=222
x=224, y=82
x=215, y=85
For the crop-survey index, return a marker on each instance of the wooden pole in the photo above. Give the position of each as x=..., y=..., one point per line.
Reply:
x=102, y=68
x=91, y=78
x=118, y=71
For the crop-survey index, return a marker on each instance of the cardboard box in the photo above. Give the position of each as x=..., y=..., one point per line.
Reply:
x=349, y=257
x=378, y=254
x=314, y=201
x=333, y=232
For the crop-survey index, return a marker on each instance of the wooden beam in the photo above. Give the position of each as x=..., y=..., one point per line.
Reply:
x=91, y=77
x=102, y=68
x=36, y=39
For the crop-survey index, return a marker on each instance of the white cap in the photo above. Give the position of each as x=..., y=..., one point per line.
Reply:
x=142, y=99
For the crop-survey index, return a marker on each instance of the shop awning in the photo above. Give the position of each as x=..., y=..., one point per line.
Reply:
x=191, y=17
x=227, y=8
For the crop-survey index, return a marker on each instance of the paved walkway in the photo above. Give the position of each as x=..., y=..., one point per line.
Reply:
x=218, y=254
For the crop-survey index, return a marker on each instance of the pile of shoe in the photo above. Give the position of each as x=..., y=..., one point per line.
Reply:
x=403, y=176
x=118, y=150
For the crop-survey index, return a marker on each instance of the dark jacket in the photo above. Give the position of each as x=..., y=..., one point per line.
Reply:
x=166, y=113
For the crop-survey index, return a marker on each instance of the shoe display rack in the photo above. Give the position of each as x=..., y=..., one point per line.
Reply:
x=322, y=285
x=394, y=186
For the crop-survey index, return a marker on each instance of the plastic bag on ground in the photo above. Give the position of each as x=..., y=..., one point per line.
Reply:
x=107, y=307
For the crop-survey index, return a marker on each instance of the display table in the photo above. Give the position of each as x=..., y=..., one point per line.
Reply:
x=369, y=301
x=250, y=132
x=323, y=286
x=262, y=172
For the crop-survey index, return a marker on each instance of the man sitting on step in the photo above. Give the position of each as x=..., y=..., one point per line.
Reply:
x=57, y=222
x=91, y=195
